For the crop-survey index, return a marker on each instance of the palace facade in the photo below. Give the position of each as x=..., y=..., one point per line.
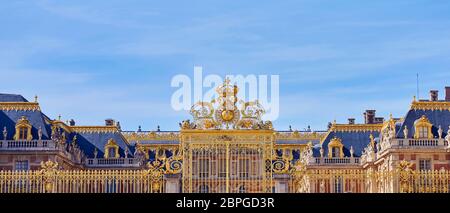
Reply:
x=226, y=147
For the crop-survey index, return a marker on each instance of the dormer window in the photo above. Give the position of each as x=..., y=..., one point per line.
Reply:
x=111, y=149
x=23, y=129
x=423, y=128
x=335, y=148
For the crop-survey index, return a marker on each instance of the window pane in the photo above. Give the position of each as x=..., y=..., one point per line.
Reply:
x=335, y=152
x=112, y=152
x=23, y=133
x=424, y=164
x=21, y=165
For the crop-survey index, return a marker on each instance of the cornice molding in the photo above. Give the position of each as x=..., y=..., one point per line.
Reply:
x=19, y=106
x=356, y=127
x=430, y=105
x=94, y=129
x=151, y=136
x=296, y=135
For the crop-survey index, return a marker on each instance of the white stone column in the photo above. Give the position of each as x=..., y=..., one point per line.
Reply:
x=173, y=184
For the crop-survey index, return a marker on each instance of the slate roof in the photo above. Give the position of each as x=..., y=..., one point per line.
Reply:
x=436, y=117
x=358, y=139
x=11, y=98
x=9, y=118
x=88, y=141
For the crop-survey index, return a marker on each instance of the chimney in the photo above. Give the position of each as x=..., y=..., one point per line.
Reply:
x=351, y=121
x=369, y=116
x=447, y=93
x=110, y=122
x=72, y=122
x=434, y=95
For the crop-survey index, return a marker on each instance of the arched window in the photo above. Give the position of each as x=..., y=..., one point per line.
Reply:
x=335, y=148
x=23, y=129
x=111, y=149
x=423, y=128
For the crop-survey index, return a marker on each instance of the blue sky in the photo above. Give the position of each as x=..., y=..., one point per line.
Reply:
x=91, y=60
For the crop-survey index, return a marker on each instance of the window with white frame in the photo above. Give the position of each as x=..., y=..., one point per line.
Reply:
x=424, y=164
x=423, y=132
x=242, y=189
x=338, y=184
x=21, y=165
x=23, y=133
x=204, y=167
x=244, y=165
x=204, y=189
x=112, y=152
x=336, y=152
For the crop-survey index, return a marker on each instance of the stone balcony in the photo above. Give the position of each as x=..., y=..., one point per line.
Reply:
x=406, y=144
x=33, y=145
x=112, y=163
x=419, y=143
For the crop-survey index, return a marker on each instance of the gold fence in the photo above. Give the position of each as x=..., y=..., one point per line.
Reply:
x=51, y=180
x=425, y=182
x=368, y=181
x=329, y=181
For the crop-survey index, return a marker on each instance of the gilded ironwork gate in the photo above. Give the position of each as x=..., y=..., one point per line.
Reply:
x=227, y=161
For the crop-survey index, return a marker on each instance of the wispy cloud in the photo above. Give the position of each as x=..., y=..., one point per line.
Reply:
x=103, y=13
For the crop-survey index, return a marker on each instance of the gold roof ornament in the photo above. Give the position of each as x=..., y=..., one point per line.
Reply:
x=336, y=142
x=19, y=106
x=422, y=120
x=94, y=129
x=227, y=112
x=428, y=105
x=356, y=127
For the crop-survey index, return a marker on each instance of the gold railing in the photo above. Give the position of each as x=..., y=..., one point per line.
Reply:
x=329, y=181
x=426, y=182
x=401, y=180
x=51, y=180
